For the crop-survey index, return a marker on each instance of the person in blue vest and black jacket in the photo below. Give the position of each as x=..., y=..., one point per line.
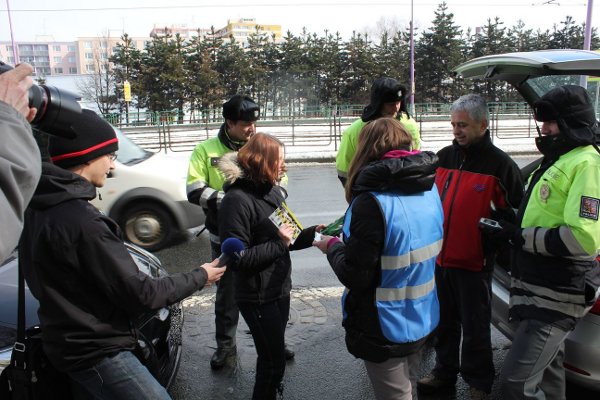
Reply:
x=392, y=234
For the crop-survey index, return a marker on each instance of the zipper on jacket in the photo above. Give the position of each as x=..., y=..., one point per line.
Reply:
x=446, y=185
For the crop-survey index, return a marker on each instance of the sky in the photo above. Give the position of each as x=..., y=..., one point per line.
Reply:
x=65, y=20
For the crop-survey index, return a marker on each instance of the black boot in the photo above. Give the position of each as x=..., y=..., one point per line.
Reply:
x=219, y=359
x=289, y=353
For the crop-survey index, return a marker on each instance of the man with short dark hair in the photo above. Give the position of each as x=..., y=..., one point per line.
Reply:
x=555, y=277
x=205, y=188
x=474, y=178
x=89, y=288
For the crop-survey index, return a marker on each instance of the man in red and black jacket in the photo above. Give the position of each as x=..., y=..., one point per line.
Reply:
x=475, y=179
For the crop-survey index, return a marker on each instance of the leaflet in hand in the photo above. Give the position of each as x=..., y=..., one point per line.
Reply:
x=283, y=215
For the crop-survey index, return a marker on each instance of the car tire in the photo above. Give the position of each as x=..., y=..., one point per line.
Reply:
x=147, y=225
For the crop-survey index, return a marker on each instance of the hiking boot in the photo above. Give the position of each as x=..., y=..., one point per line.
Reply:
x=219, y=359
x=431, y=384
x=476, y=394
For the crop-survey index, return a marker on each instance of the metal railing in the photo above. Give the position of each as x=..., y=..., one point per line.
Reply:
x=319, y=126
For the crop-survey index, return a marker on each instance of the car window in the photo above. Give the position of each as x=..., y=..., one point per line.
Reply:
x=130, y=153
x=543, y=84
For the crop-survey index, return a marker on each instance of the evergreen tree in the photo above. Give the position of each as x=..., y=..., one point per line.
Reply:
x=436, y=54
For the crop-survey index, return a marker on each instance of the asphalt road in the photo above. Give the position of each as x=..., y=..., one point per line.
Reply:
x=322, y=369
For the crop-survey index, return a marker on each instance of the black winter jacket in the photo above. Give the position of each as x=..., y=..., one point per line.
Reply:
x=263, y=273
x=88, y=286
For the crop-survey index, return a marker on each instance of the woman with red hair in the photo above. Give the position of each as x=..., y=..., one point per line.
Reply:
x=262, y=274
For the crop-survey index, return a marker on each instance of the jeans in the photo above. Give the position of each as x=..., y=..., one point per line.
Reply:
x=465, y=311
x=267, y=324
x=226, y=309
x=120, y=377
x=533, y=368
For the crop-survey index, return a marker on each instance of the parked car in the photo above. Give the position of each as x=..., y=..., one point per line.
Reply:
x=159, y=331
x=533, y=74
x=146, y=195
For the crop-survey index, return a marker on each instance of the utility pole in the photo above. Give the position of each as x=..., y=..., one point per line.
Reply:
x=12, y=37
x=412, y=62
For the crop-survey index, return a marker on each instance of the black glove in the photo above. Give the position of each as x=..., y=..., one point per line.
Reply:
x=509, y=233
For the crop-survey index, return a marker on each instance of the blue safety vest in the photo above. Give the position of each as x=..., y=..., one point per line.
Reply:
x=406, y=297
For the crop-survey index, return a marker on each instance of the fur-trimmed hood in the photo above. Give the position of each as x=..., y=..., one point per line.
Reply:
x=229, y=166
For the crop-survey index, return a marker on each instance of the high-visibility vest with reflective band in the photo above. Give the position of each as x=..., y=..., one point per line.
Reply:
x=406, y=298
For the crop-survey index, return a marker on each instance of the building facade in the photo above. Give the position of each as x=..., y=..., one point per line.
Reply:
x=88, y=55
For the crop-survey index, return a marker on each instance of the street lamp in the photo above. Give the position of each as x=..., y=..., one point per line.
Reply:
x=412, y=62
x=12, y=38
x=587, y=39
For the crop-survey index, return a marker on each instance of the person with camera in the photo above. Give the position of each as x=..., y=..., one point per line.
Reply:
x=555, y=240
x=388, y=99
x=205, y=188
x=387, y=258
x=20, y=162
x=474, y=178
x=88, y=286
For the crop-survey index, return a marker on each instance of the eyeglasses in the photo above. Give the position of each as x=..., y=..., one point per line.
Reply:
x=112, y=156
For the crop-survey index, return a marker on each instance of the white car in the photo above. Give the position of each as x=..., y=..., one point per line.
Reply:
x=532, y=74
x=146, y=195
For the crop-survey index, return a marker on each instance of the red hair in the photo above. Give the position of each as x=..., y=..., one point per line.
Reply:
x=259, y=158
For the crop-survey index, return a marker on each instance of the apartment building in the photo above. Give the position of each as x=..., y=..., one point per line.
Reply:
x=241, y=28
x=90, y=54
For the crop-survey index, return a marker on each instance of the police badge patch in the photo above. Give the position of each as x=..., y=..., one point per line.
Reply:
x=589, y=208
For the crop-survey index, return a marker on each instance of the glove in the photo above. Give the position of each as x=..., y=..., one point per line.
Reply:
x=509, y=233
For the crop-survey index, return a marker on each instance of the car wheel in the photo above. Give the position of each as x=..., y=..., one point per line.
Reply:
x=147, y=225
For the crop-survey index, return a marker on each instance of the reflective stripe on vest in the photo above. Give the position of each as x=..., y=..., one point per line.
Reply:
x=406, y=297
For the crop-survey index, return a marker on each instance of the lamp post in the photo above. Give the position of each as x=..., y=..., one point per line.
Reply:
x=587, y=38
x=12, y=38
x=412, y=62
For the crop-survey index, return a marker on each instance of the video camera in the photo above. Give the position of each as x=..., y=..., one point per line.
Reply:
x=55, y=108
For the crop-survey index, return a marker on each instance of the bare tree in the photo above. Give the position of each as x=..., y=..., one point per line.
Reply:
x=98, y=86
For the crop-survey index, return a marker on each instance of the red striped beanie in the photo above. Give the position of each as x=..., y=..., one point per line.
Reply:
x=95, y=138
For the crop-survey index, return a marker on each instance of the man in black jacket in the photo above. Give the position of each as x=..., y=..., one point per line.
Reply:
x=475, y=179
x=88, y=286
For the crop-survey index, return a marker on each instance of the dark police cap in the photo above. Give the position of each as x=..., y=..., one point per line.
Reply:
x=241, y=107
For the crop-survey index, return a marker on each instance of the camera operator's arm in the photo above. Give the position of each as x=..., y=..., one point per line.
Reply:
x=20, y=163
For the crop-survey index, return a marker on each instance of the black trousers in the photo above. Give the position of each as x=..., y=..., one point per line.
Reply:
x=267, y=324
x=226, y=309
x=465, y=310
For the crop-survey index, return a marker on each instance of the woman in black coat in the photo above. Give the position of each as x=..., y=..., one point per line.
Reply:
x=262, y=274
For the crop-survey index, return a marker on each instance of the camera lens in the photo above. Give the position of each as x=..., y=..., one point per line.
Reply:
x=55, y=110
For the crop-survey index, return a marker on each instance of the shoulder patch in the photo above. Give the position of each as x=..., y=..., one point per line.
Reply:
x=589, y=207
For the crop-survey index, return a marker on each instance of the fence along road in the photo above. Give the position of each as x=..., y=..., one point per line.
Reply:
x=513, y=133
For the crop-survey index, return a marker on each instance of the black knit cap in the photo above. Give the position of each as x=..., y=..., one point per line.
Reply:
x=95, y=138
x=384, y=90
x=240, y=107
x=571, y=107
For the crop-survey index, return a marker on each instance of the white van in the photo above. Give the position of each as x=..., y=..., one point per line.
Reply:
x=146, y=195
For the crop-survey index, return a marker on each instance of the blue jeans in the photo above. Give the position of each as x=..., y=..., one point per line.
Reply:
x=267, y=324
x=120, y=377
